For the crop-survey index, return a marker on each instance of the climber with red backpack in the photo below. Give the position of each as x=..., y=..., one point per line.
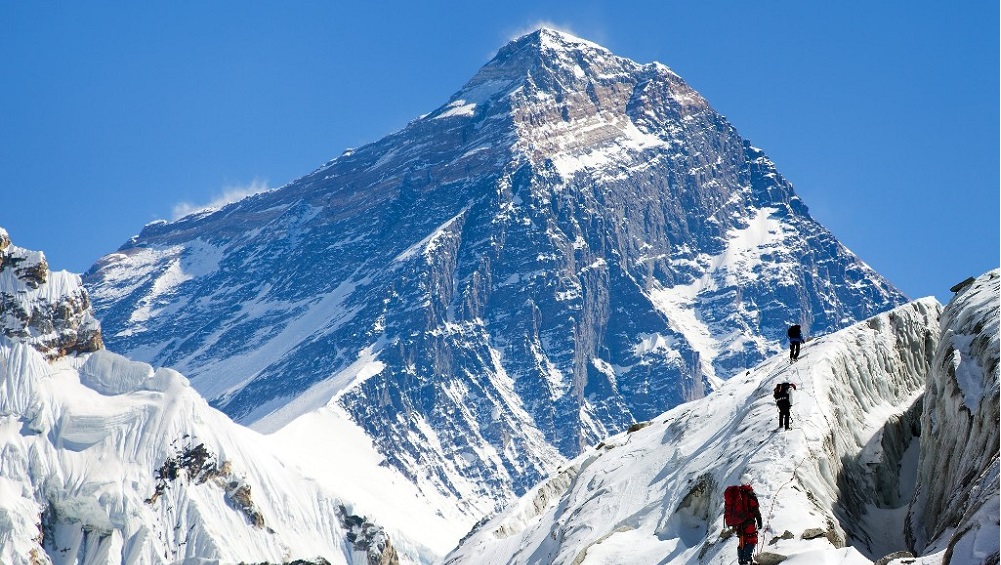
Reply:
x=742, y=515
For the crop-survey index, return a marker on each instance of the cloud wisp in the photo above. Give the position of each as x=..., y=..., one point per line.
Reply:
x=229, y=195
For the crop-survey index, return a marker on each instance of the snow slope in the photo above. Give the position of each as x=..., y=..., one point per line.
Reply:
x=87, y=476
x=654, y=495
x=106, y=460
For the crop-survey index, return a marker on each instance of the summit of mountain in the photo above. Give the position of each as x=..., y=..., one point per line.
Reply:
x=572, y=243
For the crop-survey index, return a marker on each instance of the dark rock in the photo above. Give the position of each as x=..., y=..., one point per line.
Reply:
x=766, y=558
x=892, y=556
x=54, y=323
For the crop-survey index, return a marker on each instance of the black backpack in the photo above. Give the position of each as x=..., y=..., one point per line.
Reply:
x=794, y=331
x=781, y=392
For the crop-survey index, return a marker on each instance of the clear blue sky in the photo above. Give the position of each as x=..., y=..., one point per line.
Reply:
x=884, y=115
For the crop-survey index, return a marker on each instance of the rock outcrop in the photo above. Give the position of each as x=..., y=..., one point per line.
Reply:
x=49, y=311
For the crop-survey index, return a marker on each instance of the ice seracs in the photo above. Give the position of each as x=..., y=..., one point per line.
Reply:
x=955, y=512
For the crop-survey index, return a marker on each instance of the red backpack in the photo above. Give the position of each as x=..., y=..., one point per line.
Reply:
x=739, y=503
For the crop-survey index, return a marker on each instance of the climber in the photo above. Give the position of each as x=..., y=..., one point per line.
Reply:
x=783, y=399
x=742, y=515
x=795, y=334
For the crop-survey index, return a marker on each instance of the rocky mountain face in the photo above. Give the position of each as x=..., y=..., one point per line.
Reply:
x=573, y=243
x=49, y=311
x=104, y=460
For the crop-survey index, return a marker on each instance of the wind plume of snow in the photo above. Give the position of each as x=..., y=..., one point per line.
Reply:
x=229, y=195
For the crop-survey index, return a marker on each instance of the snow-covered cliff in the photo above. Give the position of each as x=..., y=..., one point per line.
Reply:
x=107, y=461
x=50, y=311
x=956, y=507
x=832, y=489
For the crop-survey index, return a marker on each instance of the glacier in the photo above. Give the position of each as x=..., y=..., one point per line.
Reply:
x=885, y=457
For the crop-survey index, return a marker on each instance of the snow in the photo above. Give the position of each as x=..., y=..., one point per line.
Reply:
x=844, y=556
x=653, y=495
x=110, y=374
x=969, y=375
x=327, y=446
x=427, y=244
x=743, y=257
x=459, y=108
x=558, y=39
x=235, y=371
x=365, y=366
x=174, y=265
x=92, y=454
x=621, y=136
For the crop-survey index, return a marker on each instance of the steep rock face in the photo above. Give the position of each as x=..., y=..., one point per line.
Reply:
x=654, y=494
x=574, y=242
x=956, y=505
x=49, y=311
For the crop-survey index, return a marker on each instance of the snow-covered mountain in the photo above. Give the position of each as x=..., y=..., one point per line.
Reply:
x=104, y=460
x=574, y=242
x=874, y=466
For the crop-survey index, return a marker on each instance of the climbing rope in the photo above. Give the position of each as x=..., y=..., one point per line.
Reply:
x=771, y=508
x=775, y=496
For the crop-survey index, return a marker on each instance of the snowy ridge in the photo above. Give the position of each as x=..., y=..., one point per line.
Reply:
x=84, y=472
x=106, y=460
x=654, y=495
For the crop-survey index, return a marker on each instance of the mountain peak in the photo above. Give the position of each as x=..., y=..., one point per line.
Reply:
x=541, y=52
x=50, y=311
x=574, y=242
x=550, y=38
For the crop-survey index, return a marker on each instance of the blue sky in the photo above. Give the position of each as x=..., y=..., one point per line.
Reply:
x=884, y=115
